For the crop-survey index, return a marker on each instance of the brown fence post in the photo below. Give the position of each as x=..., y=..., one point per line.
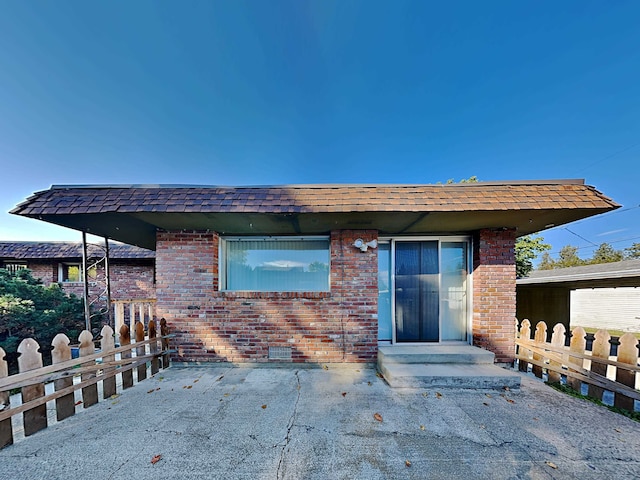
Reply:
x=557, y=340
x=107, y=344
x=140, y=351
x=87, y=347
x=627, y=353
x=164, y=331
x=6, y=433
x=153, y=347
x=525, y=334
x=125, y=339
x=600, y=349
x=65, y=406
x=578, y=344
x=539, y=337
x=30, y=359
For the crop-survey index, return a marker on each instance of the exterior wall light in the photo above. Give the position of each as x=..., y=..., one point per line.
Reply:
x=364, y=246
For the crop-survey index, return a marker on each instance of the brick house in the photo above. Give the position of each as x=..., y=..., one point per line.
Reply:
x=131, y=269
x=326, y=273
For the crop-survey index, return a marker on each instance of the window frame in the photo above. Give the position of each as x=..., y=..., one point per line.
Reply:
x=62, y=266
x=14, y=266
x=222, y=260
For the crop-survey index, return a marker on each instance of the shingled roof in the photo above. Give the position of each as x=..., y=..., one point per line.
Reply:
x=63, y=250
x=61, y=200
x=622, y=273
x=132, y=213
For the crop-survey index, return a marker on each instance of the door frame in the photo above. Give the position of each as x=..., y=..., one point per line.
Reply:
x=392, y=267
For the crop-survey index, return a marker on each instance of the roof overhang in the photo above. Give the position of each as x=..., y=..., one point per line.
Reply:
x=581, y=277
x=317, y=209
x=140, y=228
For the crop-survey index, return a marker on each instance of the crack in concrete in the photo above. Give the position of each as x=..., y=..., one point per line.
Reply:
x=287, y=437
x=118, y=469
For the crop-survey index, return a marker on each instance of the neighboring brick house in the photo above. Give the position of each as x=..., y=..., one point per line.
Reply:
x=131, y=269
x=326, y=273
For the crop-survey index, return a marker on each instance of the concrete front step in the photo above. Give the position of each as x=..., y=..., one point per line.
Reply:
x=466, y=354
x=449, y=375
x=443, y=366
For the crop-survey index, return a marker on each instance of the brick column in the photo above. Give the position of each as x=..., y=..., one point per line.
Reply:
x=186, y=274
x=494, y=292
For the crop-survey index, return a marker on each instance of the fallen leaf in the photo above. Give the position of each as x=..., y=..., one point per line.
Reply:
x=79, y=402
x=264, y=406
x=425, y=394
x=438, y=395
x=324, y=367
x=344, y=394
x=156, y=459
x=219, y=378
x=552, y=465
x=536, y=418
x=379, y=375
x=226, y=395
x=488, y=395
x=151, y=391
x=506, y=389
x=483, y=426
x=511, y=400
x=377, y=416
x=618, y=430
x=485, y=403
x=115, y=395
x=421, y=427
x=190, y=386
x=369, y=383
x=157, y=389
x=196, y=380
x=407, y=463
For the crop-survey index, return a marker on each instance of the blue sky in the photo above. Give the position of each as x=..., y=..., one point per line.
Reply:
x=284, y=92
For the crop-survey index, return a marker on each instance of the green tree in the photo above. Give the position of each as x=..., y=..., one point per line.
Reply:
x=606, y=254
x=30, y=309
x=472, y=179
x=633, y=251
x=546, y=262
x=527, y=250
x=568, y=257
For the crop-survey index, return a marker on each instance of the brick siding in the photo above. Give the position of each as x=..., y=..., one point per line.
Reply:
x=46, y=271
x=130, y=279
x=318, y=327
x=494, y=292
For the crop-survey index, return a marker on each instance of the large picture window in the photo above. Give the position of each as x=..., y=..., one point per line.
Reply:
x=275, y=264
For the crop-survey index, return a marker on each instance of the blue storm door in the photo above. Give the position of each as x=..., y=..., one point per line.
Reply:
x=417, y=291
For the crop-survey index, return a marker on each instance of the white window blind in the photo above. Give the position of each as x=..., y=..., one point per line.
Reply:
x=277, y=264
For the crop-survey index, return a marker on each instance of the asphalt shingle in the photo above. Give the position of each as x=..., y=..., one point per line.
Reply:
x=316, y=198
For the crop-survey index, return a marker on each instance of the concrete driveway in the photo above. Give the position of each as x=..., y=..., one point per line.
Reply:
x=287, y=423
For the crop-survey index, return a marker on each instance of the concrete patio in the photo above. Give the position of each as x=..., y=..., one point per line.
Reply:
x=288, y=423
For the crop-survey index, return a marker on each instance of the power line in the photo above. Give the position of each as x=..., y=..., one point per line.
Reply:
x=608, y=157
x=593, y=219
x=580, y=236
x=593, y=245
